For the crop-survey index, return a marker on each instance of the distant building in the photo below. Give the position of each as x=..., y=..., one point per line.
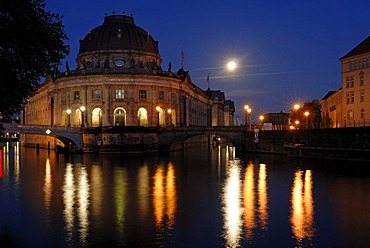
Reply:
x=119, y=81
x=279, y=121
x=331, y=106
x=350, y=105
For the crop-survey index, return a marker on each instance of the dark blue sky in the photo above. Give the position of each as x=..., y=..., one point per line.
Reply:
x=287, y=51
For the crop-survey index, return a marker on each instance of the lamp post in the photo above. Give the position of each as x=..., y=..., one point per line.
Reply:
x=261, y=119
x=69, y=117
x=82, y=108
x=158, y=110
x=246, y=107
x=249, y=118
x=169, y=111
x=307, y=114
x=296, y=124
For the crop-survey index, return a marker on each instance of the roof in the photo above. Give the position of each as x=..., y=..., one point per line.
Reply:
x=330, y=93
x=363, y=47
x=118, y=32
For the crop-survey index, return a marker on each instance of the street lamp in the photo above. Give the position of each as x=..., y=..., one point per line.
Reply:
x=82, y=108
x=307, y=114
x=296, y=124
x=169, y=111
x=246, y=107
x=249, y=118
x=69, y=117
x=261, y=119
x=158, y=110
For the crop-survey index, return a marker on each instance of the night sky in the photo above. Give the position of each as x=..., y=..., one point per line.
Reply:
x=286, y=51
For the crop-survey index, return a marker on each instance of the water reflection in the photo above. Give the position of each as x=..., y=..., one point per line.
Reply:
x=143, y=192
x=302, y=206
x=245, y=202
x=10, y=157
x=164, y=196
x=1, y=164
x=48, y=184
x=232, y=205
x=249, y=201
x=68, y=200
x=120, y=195
x=83, y=195
x=262, y=196
x=76, y=188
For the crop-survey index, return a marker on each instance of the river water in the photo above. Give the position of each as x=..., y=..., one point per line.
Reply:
x=201, y=197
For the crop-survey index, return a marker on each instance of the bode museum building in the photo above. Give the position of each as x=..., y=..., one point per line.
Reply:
x=119, y=81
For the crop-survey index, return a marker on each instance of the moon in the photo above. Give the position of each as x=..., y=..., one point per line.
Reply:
x=231, y=65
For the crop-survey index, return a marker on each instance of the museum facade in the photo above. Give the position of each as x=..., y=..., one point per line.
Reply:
x=119, y=81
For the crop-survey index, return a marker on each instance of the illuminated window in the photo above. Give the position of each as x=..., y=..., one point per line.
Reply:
x=96, y=94
x=120, y=94
x=362, y=96
x=142, y=94
x=76, y=95
x=362, y=113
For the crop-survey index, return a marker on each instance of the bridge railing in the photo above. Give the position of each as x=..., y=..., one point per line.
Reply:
x=36, y=126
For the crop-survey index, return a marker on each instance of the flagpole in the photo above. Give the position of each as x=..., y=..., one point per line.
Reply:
x=182, y=58
x=208, y=80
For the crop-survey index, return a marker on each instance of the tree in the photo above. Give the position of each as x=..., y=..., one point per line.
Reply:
x=313, y=117
x=31, y=46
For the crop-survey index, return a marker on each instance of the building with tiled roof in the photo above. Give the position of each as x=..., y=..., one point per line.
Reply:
x=350, y=105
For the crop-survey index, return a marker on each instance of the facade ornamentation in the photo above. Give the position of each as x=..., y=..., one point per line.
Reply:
x=119, y=81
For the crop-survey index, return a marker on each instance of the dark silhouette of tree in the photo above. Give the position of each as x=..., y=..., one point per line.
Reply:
x=31, y=46
x=313, y=117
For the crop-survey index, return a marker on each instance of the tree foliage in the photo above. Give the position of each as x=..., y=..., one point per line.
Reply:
x=31, y=45
x=312, y=120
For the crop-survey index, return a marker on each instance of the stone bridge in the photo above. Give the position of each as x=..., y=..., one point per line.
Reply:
x=64, y=134
x=172, y=138
x=131, y=138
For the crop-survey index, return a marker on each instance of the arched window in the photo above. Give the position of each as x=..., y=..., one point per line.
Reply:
x=142, y=116
x=173, y=118
x=78, y=118
x=96, y=118
x=162, y=117
x=120, y=117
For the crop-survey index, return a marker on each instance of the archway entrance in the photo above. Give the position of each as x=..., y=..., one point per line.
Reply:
x=96, y=117
x=142, y=116
x=120, y=117
x=78, y=118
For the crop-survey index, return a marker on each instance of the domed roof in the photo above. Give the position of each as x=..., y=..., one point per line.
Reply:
x=118, y=32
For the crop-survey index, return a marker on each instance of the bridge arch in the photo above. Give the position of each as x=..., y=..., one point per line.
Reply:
x=65, y=135
x=176, y=141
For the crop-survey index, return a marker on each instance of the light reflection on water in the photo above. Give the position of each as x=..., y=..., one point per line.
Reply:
x=242, y=199
x=302, y=206
x=165, y=202
x=232, y=206
x=164, y=196
x=76, y=199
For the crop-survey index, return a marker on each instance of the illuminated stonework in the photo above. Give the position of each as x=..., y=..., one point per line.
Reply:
x=119, y=81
